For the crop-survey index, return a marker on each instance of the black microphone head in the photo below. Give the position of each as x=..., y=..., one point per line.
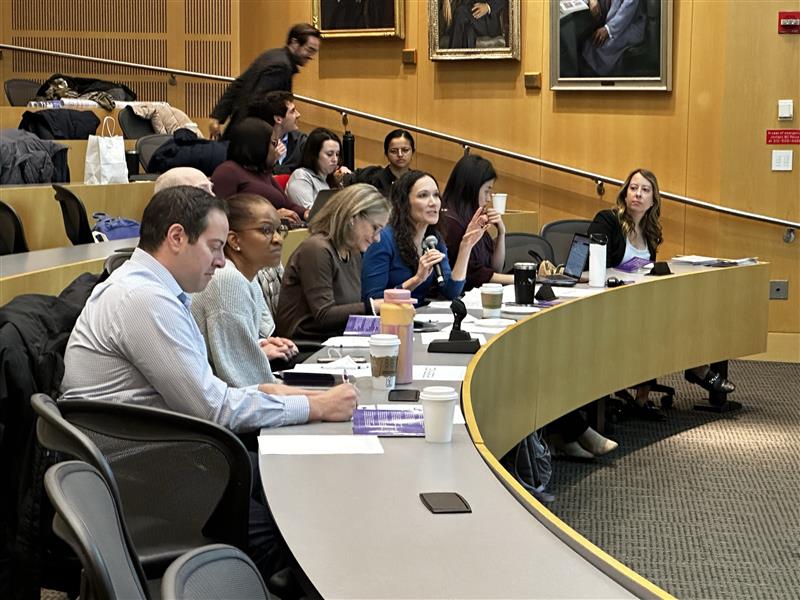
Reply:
x=430, y=242
x=536, y=255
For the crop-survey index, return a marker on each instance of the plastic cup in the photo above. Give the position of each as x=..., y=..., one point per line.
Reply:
x=491, y=299
x=438, y=404
x=499, y=202
x=383, y=349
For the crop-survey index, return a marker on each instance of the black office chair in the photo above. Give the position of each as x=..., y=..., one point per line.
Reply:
x=89, y=520
x=146, y=146
x=215, y=572
x=517, y=246
x=76, y=223
x=560, y=234
x=183, y=482
x=133, y=126
x=114, y=261
x=12, y=235
x=20, y=91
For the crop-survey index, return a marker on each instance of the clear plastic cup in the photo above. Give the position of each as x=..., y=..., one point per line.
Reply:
x=438, y=405
x=383, y=349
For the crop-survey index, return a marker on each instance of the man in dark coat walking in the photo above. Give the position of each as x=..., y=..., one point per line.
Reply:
x=271, y=71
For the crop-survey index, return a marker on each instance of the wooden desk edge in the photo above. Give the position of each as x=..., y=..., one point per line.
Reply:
x=616, y=570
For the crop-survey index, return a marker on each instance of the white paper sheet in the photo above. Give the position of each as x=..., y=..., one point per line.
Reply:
x=347, y=341
x=576, y=292
x=359, y=370
x=439, y=373
x=319, y=444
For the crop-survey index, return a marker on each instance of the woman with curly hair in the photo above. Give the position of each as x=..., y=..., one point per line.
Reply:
x=398, y=259
x=633, y=229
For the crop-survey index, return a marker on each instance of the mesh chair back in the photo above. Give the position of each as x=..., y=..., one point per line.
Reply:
x=216, y=571
x=88, y=519
x=517, y=246
x=146, y=146
x=133, y=126
x=76, y=223
x=560, y=233
x=117, y=259
x=12, y=235
x=20, y=91
x=183, y=482
x=56, y=433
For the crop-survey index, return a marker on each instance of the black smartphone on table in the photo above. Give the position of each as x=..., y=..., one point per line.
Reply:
x=404, y=396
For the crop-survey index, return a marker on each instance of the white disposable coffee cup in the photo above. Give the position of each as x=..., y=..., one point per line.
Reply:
x=438, y=404
x=491, y=299
x=499, y=202
x=383, y=349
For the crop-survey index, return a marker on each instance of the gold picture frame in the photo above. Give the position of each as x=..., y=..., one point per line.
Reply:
x=358, y=18
x=636, y=54
x=472, y=29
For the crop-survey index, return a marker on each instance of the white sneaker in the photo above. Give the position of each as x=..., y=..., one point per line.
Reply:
x=595, y=443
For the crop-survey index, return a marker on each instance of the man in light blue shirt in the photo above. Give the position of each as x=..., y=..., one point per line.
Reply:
x=137, y=342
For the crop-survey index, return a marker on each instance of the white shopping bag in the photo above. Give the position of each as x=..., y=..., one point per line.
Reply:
x=105, y=156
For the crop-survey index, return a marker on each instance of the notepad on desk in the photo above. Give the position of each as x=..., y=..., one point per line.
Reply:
x=389, y=421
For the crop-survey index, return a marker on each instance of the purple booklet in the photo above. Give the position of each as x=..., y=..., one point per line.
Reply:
x=401, y=422
x=634, y=264
x=362, y=325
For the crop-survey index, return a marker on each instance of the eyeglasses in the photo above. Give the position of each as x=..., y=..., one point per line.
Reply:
x=269, y=230
x=399, y=151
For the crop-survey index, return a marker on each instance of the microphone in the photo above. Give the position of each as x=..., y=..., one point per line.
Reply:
x=536, y=255
x=429, y=243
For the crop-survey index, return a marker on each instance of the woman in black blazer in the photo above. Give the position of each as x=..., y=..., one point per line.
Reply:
x=633, y=228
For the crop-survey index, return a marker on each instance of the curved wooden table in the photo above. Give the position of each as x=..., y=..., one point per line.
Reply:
x=558, y=360
x=356, y=525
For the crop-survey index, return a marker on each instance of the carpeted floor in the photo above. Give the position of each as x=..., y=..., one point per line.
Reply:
x=703, y=505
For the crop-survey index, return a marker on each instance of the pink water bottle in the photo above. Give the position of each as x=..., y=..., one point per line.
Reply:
x=397, y=318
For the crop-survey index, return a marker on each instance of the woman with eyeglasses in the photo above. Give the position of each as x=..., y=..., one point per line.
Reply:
x=251, y=156
x=231, y=312
x=399, y=148
x=322, y=281
x=319, y=170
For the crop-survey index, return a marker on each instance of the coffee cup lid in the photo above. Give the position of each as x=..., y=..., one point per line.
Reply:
x=492, y=287
x=384, y=339
x=439, y=393
x=525, y=266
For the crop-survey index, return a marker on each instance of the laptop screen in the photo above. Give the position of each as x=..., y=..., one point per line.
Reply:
x=578, y=256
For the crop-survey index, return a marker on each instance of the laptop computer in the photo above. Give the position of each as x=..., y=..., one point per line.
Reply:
x=321, y=200
x=577, y=262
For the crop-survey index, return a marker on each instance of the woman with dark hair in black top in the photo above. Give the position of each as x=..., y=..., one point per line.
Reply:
x=468, y=189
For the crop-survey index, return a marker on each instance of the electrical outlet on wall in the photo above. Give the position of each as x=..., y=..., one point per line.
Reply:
x=779, y=289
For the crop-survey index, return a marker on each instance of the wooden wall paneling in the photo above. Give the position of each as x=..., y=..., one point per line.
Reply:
x=41, y=214
x=769, y=64
x=714, y=234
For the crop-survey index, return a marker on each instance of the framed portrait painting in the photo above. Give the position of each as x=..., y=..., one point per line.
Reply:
x=611, y=44
x=358, y=18
x=473, y=29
